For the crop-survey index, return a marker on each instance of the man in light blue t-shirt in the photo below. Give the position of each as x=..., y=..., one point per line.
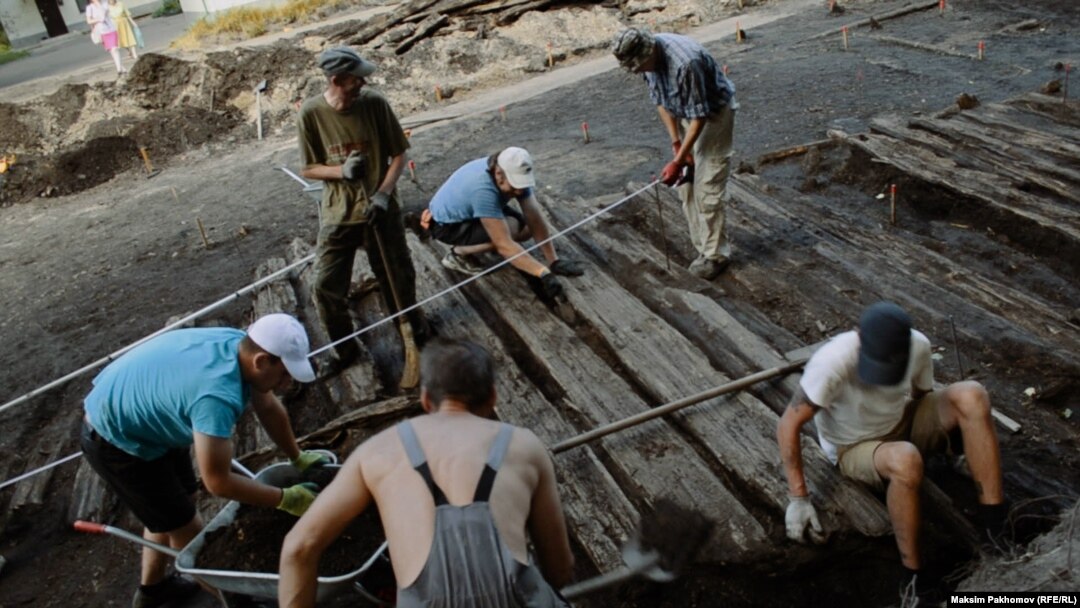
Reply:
x=471, y=212
x=185, y=387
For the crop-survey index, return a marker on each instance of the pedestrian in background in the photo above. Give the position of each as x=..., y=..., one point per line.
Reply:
x=103, y=28
x=125, y=27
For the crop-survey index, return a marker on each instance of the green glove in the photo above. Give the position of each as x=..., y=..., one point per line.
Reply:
x=308, y=459
x=295, y=500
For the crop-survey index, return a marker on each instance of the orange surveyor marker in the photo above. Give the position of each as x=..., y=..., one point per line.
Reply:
x=892, y=204
x=412, y=170
x=585, y=130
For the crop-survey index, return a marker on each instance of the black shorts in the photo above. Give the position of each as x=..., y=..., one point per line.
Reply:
x=159, y=491
x=469, y=232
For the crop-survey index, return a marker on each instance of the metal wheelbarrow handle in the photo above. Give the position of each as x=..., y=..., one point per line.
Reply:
x=96, y=528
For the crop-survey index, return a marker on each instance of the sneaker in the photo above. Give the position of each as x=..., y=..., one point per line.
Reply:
x=708, y=269
x=172, y=588
x=461, y=263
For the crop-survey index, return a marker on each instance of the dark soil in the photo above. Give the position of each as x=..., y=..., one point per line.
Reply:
x=252, y=543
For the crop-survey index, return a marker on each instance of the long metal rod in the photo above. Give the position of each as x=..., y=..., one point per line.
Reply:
x=195, y=315
x=730, y=387
x=663, y=233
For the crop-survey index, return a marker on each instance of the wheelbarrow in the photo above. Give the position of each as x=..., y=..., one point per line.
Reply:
x=365, y=580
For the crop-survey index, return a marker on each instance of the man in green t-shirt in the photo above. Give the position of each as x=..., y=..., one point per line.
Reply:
x=351, y=140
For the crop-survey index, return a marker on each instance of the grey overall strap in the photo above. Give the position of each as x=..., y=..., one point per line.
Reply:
x=494, y=461
x=419, y=461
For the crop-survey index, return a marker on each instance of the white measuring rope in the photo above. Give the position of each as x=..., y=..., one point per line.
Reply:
x=506, y=261
x=40, y=469
x=322, y=349
x=109, y=358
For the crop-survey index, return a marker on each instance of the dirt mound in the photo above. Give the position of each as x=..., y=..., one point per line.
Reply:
x=168, y=104
x=156, y=81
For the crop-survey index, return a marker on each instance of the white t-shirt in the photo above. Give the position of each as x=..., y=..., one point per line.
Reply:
x=852, y=411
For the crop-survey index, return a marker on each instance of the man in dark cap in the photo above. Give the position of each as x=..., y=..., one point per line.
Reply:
x=351, y=140
x=877, y=414
x=697, y=105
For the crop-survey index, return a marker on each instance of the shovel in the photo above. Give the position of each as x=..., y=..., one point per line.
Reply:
x=410, y=376
x=666, y=540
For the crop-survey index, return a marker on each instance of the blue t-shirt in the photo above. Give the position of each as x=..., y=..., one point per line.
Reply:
x=154, y=397
x=469, y=194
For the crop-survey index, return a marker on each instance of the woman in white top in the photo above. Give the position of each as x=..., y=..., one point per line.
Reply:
x=98, y=18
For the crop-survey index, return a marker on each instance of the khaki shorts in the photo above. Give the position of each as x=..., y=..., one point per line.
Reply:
x=921, y=425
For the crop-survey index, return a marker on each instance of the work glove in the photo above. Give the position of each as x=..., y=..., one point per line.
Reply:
x=802, y=518
x=551, y=286
x=295, y=500
x=377, y=206
x=353, y=167
x=309, y=459
x=567, y=268
x=671, y=173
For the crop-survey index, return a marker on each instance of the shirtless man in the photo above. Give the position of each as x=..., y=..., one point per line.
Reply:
x=450, y=479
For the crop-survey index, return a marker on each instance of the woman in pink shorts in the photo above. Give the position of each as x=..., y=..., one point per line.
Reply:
x=98, y=18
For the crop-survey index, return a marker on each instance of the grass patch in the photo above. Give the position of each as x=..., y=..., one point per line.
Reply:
x=168, y=7
x=6, y=54
x=245, y=22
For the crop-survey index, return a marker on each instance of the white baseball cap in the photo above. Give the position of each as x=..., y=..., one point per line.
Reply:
x=518, y=167
x=283, y=336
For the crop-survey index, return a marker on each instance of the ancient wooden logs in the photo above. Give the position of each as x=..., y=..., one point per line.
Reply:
x=599, y=513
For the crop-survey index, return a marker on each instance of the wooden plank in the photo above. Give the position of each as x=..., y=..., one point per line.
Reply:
x=738, y=431
x=928, y=283
x=424, y=29
x=377, y=25
x=599, y=513
x=980, y=150
x=649, y=461
x=358, y=384
x=1053, y=226
x=515, y=11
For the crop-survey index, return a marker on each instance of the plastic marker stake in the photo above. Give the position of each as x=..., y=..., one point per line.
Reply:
x=1065, y=89
x=412, y=170
x=585, y=130
x=738, y=32
x=502, y=112
x=982, y=50
x=551, y=58
x=843, y=30
x=892, y=204
x=438, y=93
x=724, y=69
x=941, y=7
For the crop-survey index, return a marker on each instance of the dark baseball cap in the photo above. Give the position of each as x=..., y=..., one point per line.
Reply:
x=343, y=60
x=884, y=344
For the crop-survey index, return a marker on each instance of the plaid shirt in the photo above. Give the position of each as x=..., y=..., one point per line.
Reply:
x=686, y=81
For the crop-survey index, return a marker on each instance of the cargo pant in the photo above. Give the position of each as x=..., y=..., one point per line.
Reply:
x=704, y=199
x=336, y=252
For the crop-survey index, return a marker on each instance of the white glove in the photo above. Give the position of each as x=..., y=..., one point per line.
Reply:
x=800, y=518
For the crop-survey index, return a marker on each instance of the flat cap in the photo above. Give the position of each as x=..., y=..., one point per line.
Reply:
x=343, y=60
